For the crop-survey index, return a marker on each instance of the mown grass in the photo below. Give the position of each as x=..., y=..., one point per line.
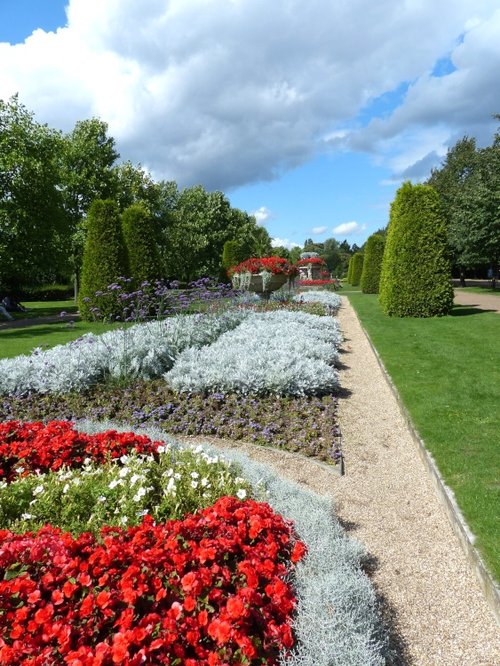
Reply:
x=447, y=371
x=23, y=339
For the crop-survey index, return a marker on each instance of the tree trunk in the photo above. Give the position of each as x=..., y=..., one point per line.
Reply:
x=462, y=279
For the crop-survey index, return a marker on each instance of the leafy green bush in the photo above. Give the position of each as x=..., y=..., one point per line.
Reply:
x=372, y=264
x=357, y=268
x=415, y=277
x=141, y=238
x=104, y=257
x=231, y=254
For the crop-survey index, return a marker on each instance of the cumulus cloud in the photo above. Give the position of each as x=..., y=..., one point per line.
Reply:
x=228, y=92
x=319, y=230
x=348, y=229
x=284, y=242
x=261, y=215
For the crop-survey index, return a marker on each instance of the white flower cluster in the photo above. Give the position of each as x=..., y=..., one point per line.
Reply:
x=330, y=300
x=281, y=352
x=144, y=350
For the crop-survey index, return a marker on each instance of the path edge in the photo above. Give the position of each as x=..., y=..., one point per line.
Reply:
x=488, y=585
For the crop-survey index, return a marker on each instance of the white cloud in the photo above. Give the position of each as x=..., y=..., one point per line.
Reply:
x=319, y=230
x=348, y=229
x=261, y=215
x=284, y=242
x=227, y=93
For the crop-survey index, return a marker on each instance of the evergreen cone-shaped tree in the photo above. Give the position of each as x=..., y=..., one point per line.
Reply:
x=231, y=254
x=104, y=259
x=415, y=278
x=349, y=271
x=372, y=264
x=357, y=268
x=141, y=239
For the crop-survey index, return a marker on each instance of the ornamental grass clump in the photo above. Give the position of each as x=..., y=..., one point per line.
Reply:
x=262, y=356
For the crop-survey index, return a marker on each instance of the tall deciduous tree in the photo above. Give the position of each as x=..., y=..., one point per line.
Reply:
x=88, y=159
x=32, y=222
x=469, y=186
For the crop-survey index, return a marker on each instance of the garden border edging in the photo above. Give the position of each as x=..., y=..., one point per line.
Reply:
x=488, y=586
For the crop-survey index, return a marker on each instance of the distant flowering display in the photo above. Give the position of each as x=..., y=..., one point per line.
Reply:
x=256, y=265
x=316, y=283
x=311, y=260
x=210, y=588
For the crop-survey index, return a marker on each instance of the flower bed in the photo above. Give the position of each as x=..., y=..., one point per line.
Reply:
x=330, y=301
x=209, y=589
x=143, y=350
x=285, y=353
x=304, y=424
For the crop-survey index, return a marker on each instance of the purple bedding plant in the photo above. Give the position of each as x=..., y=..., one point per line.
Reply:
x=161, y=298
x=307, y=425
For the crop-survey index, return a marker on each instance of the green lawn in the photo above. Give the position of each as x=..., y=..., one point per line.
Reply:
x=447, y=371
x=21, y=340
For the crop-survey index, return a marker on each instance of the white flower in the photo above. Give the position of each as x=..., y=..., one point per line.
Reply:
x=123, y=472
x=194, y=475
x=170, y=487
x=123, y=520
x=124, y=459
x=170, y=472
x=19, y=470
x=194, y=484
x=162, y=449
x=205, y=483
x=177, y=476
x=38, y=490
x=114, y=483
x=241, y=494
x=101, y=498
x=134, y=478
x=26, y=516
x=65, y=488
x=140, y=493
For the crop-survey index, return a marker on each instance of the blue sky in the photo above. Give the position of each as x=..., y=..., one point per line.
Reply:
x=308, y=115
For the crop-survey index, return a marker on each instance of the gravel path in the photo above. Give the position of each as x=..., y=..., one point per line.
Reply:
x=479, y=301
x=431, y=598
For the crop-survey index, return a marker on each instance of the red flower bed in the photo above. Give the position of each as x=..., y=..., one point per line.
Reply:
x=207, y=590
x=307, y=283
x=311, y=260
x=36, y=446
x=256, y=265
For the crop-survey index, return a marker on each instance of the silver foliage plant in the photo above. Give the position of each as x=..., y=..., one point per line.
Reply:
x=326, y=298
x=145, y=351
x=337, y=620
x=281, y=352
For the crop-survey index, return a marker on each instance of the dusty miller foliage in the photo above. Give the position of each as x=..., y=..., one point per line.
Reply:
x=280, y=352
x=142, y=351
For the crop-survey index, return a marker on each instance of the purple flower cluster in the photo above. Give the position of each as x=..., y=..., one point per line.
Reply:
x=158, y=299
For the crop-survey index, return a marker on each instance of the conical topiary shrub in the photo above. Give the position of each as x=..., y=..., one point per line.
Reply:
x=141, y=239
x=357, y=268
x=372, y=264
x=104, y=259
x=415, y=277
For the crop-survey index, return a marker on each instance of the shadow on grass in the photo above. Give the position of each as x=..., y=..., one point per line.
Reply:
x=34, y=331
x=467, y=310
